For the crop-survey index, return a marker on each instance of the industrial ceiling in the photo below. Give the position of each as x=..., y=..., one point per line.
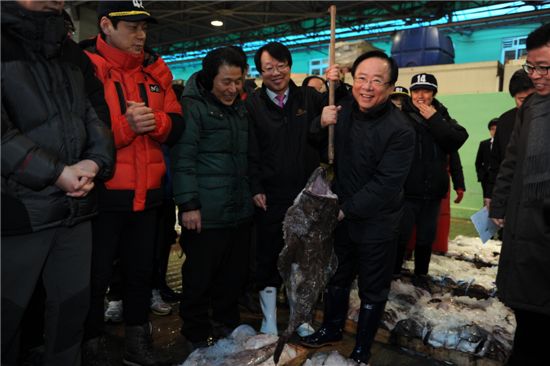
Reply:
x=185, y=25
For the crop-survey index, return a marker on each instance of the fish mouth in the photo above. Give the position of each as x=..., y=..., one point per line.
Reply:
x=320, y=185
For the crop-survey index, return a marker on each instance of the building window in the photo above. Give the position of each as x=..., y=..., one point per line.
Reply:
x=318, y=66
x=513, y=48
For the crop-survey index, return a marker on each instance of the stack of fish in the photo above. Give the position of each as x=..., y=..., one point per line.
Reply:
x=243, y=347
x=484, y=328
x=465, y=278
x=472, y=250
x=330, y=359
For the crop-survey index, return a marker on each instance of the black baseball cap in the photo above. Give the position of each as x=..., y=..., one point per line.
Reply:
x=129, y=11
x=400, y=90
x=424, y=81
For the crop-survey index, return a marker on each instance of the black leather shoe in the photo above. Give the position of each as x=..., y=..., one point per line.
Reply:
x=322, y=337
x=360, y=356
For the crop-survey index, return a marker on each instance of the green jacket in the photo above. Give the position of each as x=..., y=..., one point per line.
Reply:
x=209, y=162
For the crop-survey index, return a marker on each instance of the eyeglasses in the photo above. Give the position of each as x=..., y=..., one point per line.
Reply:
x=541, y=70
x=271, y=69
x=377, y=83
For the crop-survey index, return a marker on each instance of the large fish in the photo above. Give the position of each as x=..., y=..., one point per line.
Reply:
x=307, y=260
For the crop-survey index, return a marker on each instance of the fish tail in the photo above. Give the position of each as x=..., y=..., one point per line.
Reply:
x=279, y=349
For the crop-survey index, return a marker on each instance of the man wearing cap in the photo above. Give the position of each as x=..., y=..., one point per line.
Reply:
x=437, y=136
x=399, y=95
x=144, y=114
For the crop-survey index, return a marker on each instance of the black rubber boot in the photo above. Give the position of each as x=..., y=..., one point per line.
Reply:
x=138, y=350
x=422, y=256
x=370, y=316
x=334, y=318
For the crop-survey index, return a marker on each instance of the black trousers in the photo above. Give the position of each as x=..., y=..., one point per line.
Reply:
x=214, y=271
x=62, y=257
x=269, y=243
x=131, y=236
x=371, y=261
x=423, y=214
x=529, y=347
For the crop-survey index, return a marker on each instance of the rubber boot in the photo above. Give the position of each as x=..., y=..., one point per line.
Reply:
x=422, y=256
x=268, y=303
x=334, y=318
x=370, y=316
x=138, y=350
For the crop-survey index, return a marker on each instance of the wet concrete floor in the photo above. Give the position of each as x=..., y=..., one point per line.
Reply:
x=173, y=348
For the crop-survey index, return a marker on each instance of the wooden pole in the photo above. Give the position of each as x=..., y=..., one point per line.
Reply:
x=332, y=84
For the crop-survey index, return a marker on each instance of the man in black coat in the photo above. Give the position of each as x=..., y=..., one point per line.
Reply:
x=283, y=154
x=520, y=88
x=53, y=149
x=521, y=204
x=483, y=159
x=437, y=136
x=374, y=146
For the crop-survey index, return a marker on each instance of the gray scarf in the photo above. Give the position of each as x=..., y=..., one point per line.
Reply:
x=536, y=169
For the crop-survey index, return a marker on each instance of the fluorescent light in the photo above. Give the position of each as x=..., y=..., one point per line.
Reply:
x=216, y=23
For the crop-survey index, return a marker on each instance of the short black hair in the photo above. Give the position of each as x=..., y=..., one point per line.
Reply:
x=492, y=123
x=214, y=59
x=306, y=80
x=538, y=38
x=276, y=50
x=394, y=70
x=113, y=20
x=239, y=49
x=519, y=82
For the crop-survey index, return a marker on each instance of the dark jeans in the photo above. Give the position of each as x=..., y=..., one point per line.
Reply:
x=529, y=347
x=423, y=214
x=371, y=261
x=269, y=243
x=131, y=235
x=214, y=271
x=62, y=257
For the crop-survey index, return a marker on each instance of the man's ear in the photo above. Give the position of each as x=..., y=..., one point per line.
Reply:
x=105, y=25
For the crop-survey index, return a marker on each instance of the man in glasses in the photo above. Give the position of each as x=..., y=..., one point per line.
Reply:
x=374, y=147
x=283, y=155
x=437, y=136
x=521, y=204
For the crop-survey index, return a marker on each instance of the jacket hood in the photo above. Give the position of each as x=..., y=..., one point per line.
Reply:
x=192, y=88
x=45, y=32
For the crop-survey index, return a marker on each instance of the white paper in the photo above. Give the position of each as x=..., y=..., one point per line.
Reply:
x=485, y=227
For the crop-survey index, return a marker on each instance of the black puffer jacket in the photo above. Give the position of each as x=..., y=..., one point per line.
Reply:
x=436, y=138
x=373, y=156
x=47, y=123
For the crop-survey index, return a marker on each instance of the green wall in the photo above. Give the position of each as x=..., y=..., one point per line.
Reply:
x=473, y=112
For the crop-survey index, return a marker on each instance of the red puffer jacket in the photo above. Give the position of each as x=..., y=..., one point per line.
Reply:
x=140, y=167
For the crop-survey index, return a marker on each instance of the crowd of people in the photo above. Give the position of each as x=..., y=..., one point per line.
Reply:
x=98, y=150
